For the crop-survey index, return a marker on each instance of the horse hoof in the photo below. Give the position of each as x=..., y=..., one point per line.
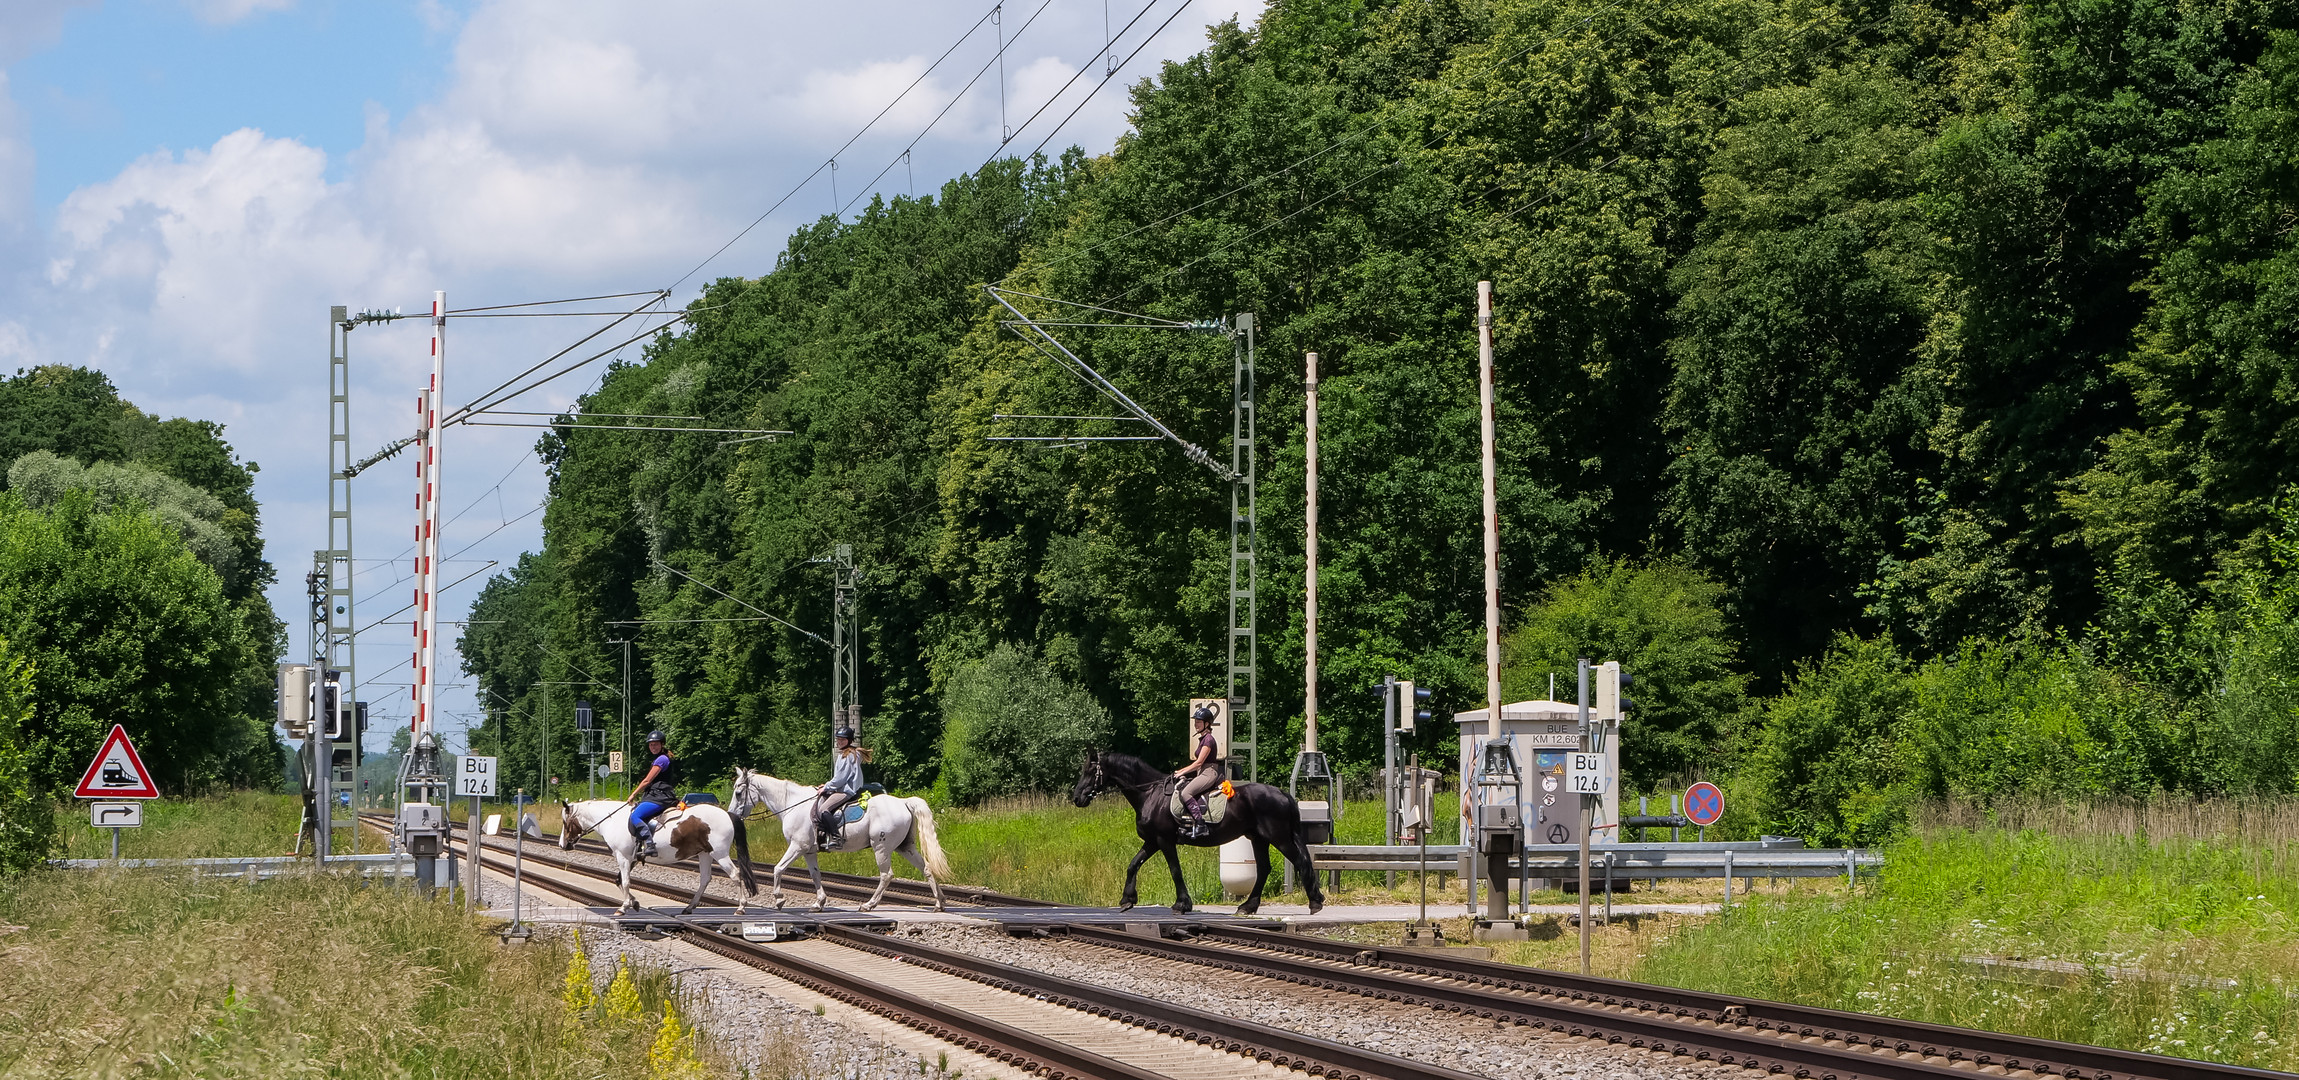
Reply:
x=778, y=902
x=1184, y=908
x=1316, y=906
x=687, y=910
x=871, y=906
x=1127, y=906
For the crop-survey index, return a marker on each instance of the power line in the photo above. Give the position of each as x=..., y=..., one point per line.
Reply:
x=1107, y=77
x=755, y=222
x=904, y=157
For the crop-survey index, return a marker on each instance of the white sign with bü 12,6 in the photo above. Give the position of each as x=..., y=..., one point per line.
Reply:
x=1589, y=776
x=476, y=776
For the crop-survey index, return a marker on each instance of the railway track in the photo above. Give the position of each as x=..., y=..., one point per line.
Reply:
x=1024, y=1022
x=1807, y=1043
x=1774, y=1037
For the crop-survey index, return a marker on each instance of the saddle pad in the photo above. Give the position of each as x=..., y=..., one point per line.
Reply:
x=1216, y=803
x=698, y=798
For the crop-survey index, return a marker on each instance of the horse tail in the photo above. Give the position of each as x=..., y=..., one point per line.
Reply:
x=928, y=842
x=742, y=854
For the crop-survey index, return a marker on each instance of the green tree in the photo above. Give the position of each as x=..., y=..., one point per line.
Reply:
x=1011, y=725
x=123, y=624
x=1665, y=624
x=1827, y=762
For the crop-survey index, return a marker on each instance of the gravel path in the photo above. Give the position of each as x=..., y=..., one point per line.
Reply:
x=1502, y=1051
x=761, y=1034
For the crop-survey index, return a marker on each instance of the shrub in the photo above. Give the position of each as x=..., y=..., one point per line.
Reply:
x=27, y=819
x=1665, y=623
x=1827, y=760
x=1010, y=725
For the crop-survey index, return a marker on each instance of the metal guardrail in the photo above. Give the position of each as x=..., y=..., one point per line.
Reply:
x=1704, y=860
x=252, y=866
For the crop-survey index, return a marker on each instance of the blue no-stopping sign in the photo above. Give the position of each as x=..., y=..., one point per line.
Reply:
x=1703, y=803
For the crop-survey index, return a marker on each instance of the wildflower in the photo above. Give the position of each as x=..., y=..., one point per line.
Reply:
x=623, y=1003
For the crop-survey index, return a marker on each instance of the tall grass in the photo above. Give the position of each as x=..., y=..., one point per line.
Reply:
x=2182, y=946
x=239, y=823
x=156, y=974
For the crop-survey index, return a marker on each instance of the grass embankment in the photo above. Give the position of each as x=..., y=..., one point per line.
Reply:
x=240, y=823
x=154, y=973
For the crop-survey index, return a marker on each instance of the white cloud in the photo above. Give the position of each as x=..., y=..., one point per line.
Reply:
x=575, y=148
x=224, y=12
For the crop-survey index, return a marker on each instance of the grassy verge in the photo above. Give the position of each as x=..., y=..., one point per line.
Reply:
x=150, y=974
x=2178, y=946
x=240, y=823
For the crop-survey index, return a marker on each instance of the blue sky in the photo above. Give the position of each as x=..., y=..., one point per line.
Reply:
x=186, y=186
x=127, y=78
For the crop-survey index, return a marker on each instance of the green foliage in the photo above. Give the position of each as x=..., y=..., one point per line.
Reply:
x=1011, y=725
x=42, y=479
x=1664, y=623
x=27, y=816
x=123, y=624
x=1926, y=365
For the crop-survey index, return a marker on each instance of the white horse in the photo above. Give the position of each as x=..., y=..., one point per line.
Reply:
x=701, y=830
x=891, y=824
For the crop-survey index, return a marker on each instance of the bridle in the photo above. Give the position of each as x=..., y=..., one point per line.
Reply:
x=1101, y=781
x=742, y=789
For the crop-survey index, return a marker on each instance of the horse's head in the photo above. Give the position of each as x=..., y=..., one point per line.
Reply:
x=1090, y=780
x=571, y=827
x=743, y=799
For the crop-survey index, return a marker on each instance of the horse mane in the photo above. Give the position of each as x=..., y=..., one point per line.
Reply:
x=1127, y=762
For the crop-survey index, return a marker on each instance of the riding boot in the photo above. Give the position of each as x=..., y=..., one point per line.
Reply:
x=646, y=842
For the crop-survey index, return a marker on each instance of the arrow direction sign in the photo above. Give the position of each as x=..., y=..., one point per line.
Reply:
x=116, y=815
x=118, y=771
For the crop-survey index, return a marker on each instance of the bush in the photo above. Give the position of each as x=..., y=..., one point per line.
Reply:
x=1010, y=725
x=1827, y=760
x=1664, y=622
x=27, y=819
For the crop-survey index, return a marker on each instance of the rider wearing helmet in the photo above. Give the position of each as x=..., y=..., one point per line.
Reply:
x=1206, y=764
x=657, y=789
x=845, y=783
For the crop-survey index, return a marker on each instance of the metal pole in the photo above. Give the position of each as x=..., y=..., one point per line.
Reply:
x=1389, y=766
x=519, y=857
x=428, y=492
x=1585, y=822
x=471, y=845
x=115, y=845
x=1309, y=679
x=1423, y=833
x=1244, y=540
x=1492, y=512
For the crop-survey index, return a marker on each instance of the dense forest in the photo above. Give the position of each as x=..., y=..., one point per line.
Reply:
x=1904, y=391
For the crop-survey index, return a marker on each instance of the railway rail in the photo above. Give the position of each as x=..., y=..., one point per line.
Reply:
x=1804, y=1042
x=1777, y=1038
x=1032, y=1050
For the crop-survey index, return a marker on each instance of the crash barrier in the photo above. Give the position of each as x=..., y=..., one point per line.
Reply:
x=1722, y=859
x=258, y=867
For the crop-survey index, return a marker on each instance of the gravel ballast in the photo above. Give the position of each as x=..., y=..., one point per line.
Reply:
x=1483, y=1047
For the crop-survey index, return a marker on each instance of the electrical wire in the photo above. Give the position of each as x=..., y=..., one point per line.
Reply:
x=1074, y=77
x=952, y=104
x=801, y=185
x=1110, y=77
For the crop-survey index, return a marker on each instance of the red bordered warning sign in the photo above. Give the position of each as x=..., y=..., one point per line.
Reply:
x=118, y=772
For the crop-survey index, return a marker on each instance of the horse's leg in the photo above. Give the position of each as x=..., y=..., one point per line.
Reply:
x=623, y=863
x=1297, y=853
x=734, y=877
x=885, y=872
x=909, y=850
x=789, y=854
x=1260, y=877
x=821, y=898
x=701, y=882
x=1127, y=899
x=1181, y=901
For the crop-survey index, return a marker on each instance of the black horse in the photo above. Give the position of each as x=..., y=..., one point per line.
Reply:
x=1258, y=811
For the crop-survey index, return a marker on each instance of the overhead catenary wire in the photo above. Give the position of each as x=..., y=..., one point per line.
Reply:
x=904, y=156
x=1072, y=81
x=801, y=185
x=1110, y=77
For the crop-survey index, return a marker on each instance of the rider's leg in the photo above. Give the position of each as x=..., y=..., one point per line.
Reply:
x=827, y=814
x=642, y=827
x=1205, y=780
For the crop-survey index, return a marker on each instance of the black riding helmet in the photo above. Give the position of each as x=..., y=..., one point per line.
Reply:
x=845, y=733
x=1204, y=714
x=657, y=737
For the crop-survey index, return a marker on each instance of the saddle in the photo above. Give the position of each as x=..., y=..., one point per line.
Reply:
x=827, y=839
x=1210, y=806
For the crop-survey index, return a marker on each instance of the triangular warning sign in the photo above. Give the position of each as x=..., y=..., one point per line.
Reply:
x=117, y=773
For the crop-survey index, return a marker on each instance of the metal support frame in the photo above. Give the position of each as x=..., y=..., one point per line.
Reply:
x=1244, y=570
x=845, y=641
x=1244, y=628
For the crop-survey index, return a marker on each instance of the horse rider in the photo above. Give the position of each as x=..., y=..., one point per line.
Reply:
x=845, y=783
x=655, y=792
x=1206, y=764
